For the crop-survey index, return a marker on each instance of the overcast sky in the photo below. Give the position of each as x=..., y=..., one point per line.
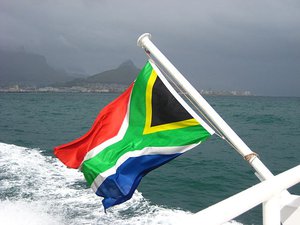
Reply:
x=225, y=45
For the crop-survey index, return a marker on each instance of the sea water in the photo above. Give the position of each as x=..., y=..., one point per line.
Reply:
x=35, y=188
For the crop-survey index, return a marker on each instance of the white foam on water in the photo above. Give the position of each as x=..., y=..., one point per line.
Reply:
x=22, y=212
x=39, y=190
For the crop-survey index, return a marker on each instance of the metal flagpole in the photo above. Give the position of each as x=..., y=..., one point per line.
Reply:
x=262, y=171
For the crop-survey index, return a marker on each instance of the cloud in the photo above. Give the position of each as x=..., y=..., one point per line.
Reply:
x=218, y=44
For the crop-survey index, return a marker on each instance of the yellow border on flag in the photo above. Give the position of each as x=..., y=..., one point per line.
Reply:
x=148, y=129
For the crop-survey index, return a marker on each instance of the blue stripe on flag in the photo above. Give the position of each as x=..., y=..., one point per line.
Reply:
x=120, y=186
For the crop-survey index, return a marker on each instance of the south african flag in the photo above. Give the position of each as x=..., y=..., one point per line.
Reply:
x=147, y=126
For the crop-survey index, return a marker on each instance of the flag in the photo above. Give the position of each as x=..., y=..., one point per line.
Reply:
x=145, y=127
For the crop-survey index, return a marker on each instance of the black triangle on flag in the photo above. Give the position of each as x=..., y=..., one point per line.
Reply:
x=165, y=107
x=163, y=110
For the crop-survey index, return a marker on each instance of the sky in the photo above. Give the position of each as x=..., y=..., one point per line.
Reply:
x=217, y=44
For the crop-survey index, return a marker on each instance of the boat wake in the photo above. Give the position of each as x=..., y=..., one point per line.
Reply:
x=38, y=189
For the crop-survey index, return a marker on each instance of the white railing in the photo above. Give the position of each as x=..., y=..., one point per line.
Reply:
x=267, y=192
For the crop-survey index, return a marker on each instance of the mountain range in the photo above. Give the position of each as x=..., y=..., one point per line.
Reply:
x=123, y=75
x=30, y=69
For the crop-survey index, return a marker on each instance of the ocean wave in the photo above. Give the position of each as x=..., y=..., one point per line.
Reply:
x=38, y=189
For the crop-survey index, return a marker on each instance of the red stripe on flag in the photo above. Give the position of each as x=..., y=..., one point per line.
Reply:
x=106, y=126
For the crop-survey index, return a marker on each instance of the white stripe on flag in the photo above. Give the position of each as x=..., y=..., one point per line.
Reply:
x=96, y=150
x=145, y=151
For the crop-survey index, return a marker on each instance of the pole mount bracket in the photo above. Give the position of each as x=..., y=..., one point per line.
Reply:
x=250, y=156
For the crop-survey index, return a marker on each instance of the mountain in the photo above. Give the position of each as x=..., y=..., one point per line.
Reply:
x=125, y=74
x=24, y=68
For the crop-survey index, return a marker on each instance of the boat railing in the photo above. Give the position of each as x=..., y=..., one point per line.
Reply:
x=279, y=207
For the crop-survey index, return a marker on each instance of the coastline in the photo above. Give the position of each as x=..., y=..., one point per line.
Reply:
x=106, y=88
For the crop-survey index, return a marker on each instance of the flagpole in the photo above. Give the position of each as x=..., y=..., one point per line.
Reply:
x=262, y=171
